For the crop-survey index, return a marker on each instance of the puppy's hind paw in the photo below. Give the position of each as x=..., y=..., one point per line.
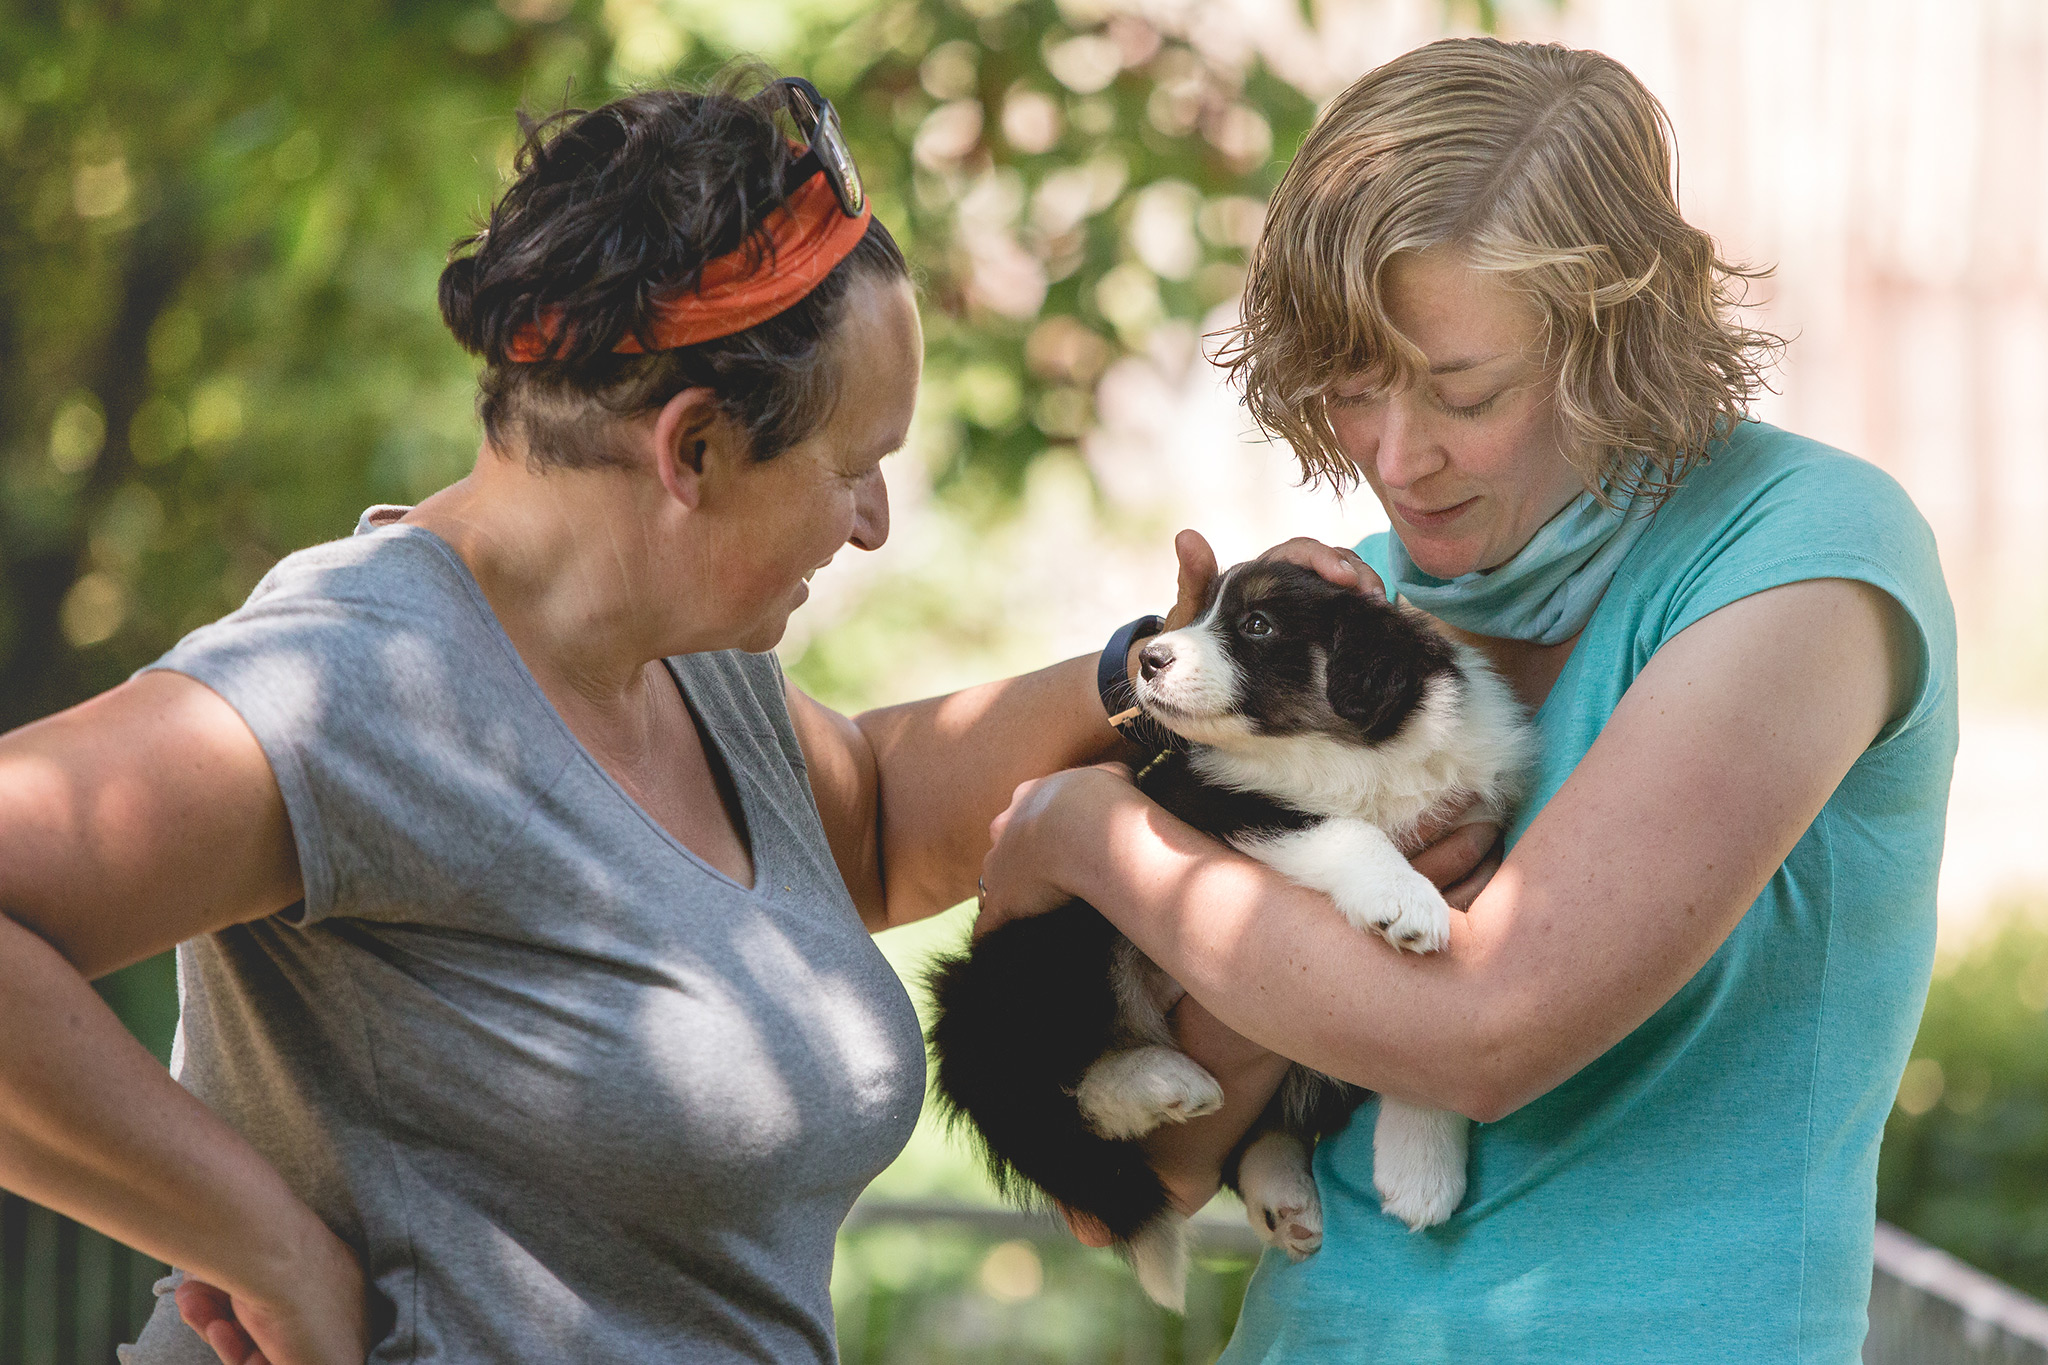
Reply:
x=1280, y=1199
x=1418, y=1162
x=1128, y=1094
x=1422, y=1206
x=1295, y=1228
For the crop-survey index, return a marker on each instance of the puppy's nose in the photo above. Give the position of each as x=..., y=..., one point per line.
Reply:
x=1153, y=658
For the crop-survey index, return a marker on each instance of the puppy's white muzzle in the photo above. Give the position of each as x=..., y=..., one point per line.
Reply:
x=1188, y=680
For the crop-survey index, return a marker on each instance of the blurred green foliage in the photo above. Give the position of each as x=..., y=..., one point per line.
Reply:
x=1965, y=1157
x=221, y=225
x=909, y=1293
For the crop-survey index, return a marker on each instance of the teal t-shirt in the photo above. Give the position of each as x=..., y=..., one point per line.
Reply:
x=1706, y=1190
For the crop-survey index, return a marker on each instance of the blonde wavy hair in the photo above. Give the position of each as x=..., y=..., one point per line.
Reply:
x=1550, y=167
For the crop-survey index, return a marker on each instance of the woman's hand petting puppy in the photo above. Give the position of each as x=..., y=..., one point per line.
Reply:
x=1198, y=570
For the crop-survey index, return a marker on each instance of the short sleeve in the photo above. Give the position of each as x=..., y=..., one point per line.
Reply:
x=383, y=700
x=1791, y=510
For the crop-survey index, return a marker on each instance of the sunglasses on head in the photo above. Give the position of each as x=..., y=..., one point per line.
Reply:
x=828, y=152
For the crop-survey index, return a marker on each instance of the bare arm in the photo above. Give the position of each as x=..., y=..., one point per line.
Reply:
x=907, y=792
x=129, y=823
x=1713, y=766
x=943, y=764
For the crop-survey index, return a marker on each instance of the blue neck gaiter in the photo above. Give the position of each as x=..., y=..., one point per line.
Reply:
x=1546, y=593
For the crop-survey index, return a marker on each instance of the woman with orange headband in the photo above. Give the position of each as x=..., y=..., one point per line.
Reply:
x=528, y=1006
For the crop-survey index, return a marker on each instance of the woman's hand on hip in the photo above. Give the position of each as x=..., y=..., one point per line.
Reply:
x=319, y=1319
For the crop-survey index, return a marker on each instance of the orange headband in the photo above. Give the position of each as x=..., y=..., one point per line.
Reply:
x=808, y=235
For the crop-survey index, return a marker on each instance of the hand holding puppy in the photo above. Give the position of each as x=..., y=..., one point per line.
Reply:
x=1022, y=873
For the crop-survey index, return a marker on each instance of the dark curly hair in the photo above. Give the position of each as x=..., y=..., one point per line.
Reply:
x=613, y=209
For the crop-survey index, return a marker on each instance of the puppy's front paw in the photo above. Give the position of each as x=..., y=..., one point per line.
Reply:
x=1280, y=1199
x=1409, y=913
x=1128, y=1094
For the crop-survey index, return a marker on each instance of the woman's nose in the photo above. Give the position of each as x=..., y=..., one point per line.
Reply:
x=1408, y=451
x=870, y=514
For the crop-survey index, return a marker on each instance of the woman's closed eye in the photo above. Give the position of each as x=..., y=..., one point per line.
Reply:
x=1469, y=409
x=1354, y=393
x=1364, y=398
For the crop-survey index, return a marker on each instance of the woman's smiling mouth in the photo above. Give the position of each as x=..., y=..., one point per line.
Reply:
x=1430, y=521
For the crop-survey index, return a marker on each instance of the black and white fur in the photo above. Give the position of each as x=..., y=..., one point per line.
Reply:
x=1322, y=728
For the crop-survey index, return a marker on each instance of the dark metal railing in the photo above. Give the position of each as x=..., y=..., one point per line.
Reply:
x=68, y=1296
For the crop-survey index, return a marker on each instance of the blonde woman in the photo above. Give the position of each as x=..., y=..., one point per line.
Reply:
x=1681, y=1006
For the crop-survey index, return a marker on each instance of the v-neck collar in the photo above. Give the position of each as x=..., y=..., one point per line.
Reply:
x=749, y=798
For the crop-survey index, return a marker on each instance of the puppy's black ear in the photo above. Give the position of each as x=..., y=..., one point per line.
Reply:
x=1380, y=662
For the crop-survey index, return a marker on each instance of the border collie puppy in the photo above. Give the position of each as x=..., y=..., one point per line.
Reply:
x=1320, y=729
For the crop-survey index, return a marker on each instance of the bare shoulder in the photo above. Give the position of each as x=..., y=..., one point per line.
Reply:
x=1835, y=652
x=846, y=786
x=1739, y=728
x=1723, y=751
x=138, y=819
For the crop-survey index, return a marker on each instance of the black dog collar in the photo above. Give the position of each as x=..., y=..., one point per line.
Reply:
x=1113, y=684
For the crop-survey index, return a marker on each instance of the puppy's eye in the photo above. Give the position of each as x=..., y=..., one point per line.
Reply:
x=1256, y=624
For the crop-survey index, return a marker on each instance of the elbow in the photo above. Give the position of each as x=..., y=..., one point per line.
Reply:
x=1461, y=1088
x=1501, y=1065
x=1483, y=1085
x=1500, y=1077
x=1478, y=1092
x=1486, y=1103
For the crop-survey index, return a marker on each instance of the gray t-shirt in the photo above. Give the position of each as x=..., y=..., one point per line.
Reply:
x=571, y=1093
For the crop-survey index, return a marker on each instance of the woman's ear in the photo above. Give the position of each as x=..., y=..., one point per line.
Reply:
x=685, y=430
